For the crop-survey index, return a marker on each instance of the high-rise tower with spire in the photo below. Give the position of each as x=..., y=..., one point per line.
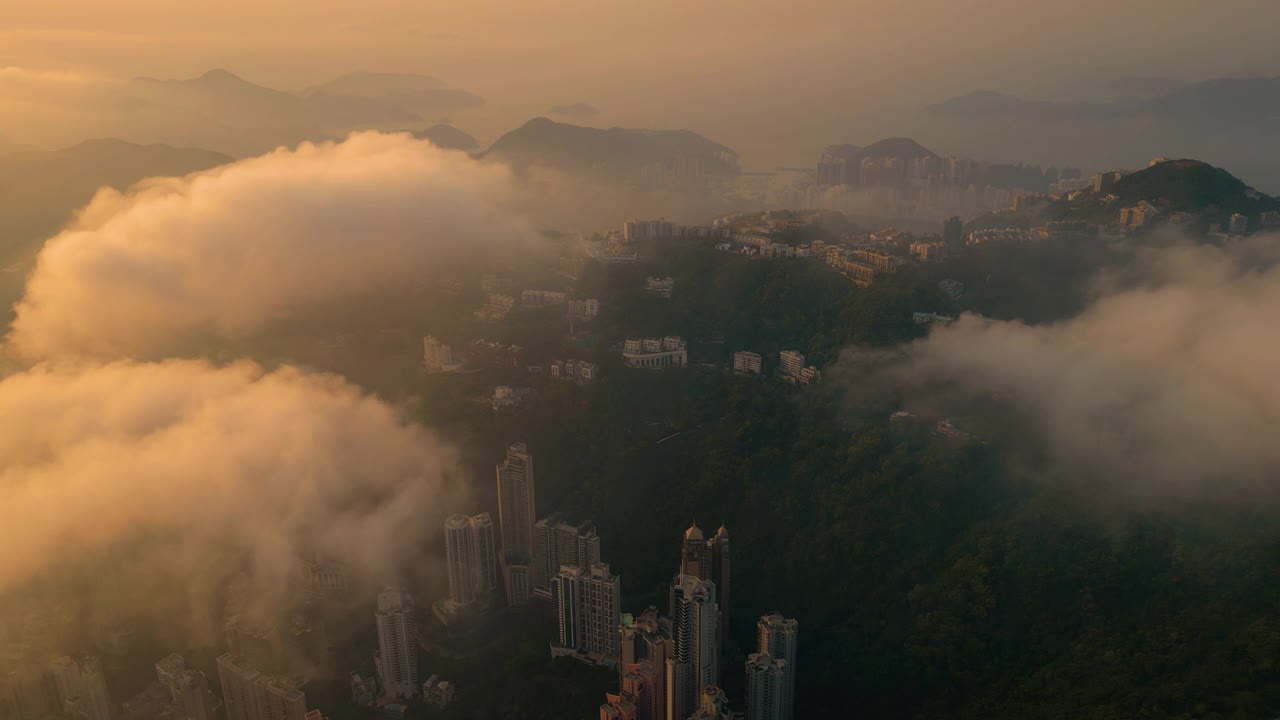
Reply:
x=708, y=559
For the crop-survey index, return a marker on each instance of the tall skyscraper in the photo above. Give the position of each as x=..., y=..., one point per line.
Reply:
x=197, y=701
x=557, y=543
x=397, y=644
x=778, y=639
x=766, y=688
x=82, y=689
x=239, y=694
x=587, y=610
x=459, y=558
x=484, y=554
x=695, y=658
x=470, y=557
x=719, y=547
x=709, y=560
x=516, y=513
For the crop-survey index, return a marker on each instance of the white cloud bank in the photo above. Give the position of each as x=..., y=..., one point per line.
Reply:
x=1164, y=388
x=94, y=455
x=224, y=252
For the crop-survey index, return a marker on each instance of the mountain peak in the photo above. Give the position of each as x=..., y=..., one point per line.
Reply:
x=613, y=151
x=218, y=76
x=1187, y=184
x=901, y=147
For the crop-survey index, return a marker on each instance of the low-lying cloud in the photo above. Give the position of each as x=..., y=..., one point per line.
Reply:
x=94, y=455
x=1164, y=388
x=225, y=252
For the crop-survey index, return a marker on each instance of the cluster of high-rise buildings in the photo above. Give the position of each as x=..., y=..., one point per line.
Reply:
x=924, y=186
x=557, y=560
x=853, y=168
x=75, y=688
x=258, y=681
x=670, y=667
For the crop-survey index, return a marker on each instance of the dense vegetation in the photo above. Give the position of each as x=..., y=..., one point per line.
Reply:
x=930, y=579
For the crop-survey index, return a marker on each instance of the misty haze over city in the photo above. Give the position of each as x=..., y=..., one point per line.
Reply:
x=639, y=361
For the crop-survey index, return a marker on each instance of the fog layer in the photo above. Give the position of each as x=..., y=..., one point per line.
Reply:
x=1164, y=388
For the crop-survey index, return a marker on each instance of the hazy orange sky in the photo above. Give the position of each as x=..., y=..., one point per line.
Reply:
x=752, y=73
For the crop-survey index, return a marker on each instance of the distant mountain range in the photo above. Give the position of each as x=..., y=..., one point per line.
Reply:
x=1231, y=100
x=620, y=153
x=221, y=99
x=229, y=114
x=1231, y=122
